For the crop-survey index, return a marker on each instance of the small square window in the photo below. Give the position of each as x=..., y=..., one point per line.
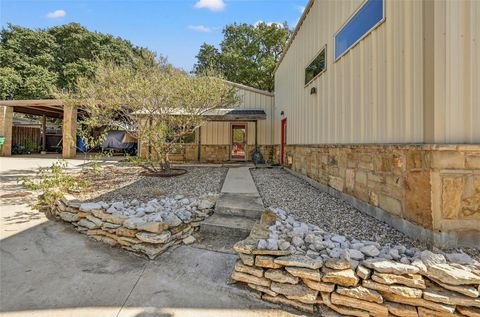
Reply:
x=316, y=67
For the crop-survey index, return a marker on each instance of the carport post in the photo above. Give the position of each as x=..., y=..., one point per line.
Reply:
x=69, y=131
x=6, y=124
x=44, y=133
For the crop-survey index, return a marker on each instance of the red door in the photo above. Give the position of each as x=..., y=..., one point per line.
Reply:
x=284, y=140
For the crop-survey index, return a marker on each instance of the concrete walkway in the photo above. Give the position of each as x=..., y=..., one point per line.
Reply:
x=239, y=181
x=49, y=269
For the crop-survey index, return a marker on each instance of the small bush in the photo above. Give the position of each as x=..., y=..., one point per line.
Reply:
x=53, y=182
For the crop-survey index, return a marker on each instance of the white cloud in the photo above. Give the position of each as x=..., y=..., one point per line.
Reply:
x=56, y=14
x=200, y=28
x=213, y=5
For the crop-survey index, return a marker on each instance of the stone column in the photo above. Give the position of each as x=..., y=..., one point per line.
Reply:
x=69, y=132
x=6, y=124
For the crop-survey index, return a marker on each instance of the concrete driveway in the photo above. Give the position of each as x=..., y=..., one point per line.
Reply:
x=48, y=269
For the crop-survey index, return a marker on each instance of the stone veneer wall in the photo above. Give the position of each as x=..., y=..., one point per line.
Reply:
x=428, y=287
x=434, y=186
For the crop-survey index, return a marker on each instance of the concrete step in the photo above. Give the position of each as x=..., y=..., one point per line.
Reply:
x=241, y=205
x=227, y=225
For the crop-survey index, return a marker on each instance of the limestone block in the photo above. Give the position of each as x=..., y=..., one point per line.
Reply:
x=281, y=276
x=247, y=259
x=363, y=272
x=469, y=311
x=447, y=160
x=266, y=261
x=374, y=308
x=154, y=238
x=319, y=286
x=245, y=246
x=87, y=224
x=418, y=198
x=152, y=250
x=343, y=277
x=262, y=289
x=255, y=271
x=452, y=190
x=361, y=292
x=401, y=310
x=95, y=220
x=305, y=273
x=425, y=312
x=419, y=302
x=453, y=275
x=113, y=218
x=299, y=261
x=154, y=227
x=122, y=231
x=467, y=290
x=298, y=291
x=440, y=295
x=395, y=289
x=68, y=216
x=282, y=300
x=250, y=279
x=411, y=280
x=390, y=204
x=338, y=264
x=387, y=266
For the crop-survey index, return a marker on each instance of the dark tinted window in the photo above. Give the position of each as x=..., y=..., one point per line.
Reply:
x=316, y=67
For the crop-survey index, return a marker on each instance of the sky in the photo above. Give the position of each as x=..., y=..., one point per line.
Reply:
x=173, y=28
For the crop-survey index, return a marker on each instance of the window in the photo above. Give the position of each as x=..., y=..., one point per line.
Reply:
x=369, y=16
x=316, y=67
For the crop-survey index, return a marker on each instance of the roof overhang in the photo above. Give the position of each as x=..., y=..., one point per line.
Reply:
x=49, y=107
x=236, y=115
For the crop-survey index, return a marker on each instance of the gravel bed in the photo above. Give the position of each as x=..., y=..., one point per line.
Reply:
x=125, y=184
x=281, y=189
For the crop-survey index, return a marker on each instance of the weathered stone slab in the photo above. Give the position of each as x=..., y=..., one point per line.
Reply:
x=343, y=310
x=154, y=238
x=425, y=312
x=154, y=227
x=302, y=272
x=262, y=289
x=411, y=280
x=122, y=231
x=338, y=264
x=395, y=289
x=250, y=279
x=373, y=308
x=387, y=266
x=68, y=216
x=95, y=220
x=152, y=250
x=266, y=261
x=104, y=239
x=89, y=207
x=344, y=277
x=298, y=291
x=420, y=302
x=247, y=259
x=87, y=224
x=271, y=252
x=401, y=310
x=469, y=311
x=113, y=218
x=281, y=276
x=453, y=275
x=467, y=290
x=71, y=201
x=299, y=261
x=363, y=272
x=319, y=286
x=440, y=295
x=109, y=225
x=282, y=300
x=245, y=246
x=361, y=292
x=255, y=271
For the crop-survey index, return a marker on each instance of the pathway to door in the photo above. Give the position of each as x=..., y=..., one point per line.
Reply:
x=236, y=211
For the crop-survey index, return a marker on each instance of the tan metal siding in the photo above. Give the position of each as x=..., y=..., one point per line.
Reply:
x=218, y=133
x=372, y=94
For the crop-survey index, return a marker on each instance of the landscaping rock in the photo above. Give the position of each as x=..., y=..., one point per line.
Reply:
x=411, y=280
x=297, y=291
x=304, y=273
x=299, y=261
x=250, y=279
x=361, y=292
x=344, y=277
x=154, y=238
x=88, y=207
x=242, y=268
x=452, y=275
x=281, y=276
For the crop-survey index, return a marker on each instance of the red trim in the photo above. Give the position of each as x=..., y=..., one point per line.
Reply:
x=284, y=140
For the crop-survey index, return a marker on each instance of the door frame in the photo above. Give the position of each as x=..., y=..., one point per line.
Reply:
x=283, y=140
x=245, y=124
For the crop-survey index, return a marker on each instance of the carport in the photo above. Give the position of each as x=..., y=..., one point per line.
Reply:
x=52, y=108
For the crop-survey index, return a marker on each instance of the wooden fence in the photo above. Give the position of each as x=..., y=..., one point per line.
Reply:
x=26, y=136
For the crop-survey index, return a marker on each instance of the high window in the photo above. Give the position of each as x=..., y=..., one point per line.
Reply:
x=316, y=67
x=367, y=18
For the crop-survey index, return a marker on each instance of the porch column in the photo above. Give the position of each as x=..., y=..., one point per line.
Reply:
x=69, y=131
x=44, y=133
x=6, y=124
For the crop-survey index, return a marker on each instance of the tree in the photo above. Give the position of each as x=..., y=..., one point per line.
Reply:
x=48, y=60
x=157, y=103
x=248, y=54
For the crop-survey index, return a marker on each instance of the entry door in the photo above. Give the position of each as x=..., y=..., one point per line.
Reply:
x=239, y=142
x=284, y=140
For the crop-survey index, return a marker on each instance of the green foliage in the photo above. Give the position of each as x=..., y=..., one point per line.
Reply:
x=248, y=54
x=36, y=64
x=53, y=182
x=157, y=104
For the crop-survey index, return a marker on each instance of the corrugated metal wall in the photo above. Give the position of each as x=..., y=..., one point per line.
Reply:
x=455, y=105
x=218, y=133
x=375, y=93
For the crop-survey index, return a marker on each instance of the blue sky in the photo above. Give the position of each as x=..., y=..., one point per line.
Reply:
x=174, y=28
